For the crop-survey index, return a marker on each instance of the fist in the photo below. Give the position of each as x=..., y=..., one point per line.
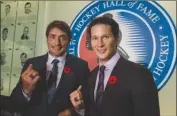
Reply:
x=29, y=79
x=66, y=112
x=76, y=98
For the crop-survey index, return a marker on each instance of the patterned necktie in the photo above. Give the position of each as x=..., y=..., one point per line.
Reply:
x=52, y=81
x=100, y=88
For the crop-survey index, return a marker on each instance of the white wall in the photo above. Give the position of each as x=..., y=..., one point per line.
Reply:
x=67, y=10
x=168, y=93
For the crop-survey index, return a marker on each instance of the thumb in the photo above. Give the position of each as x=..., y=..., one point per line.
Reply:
x=79, y=88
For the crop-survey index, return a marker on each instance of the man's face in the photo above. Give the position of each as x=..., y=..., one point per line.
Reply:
x=4, y=34
x=103, y=42
x=7, y=9
x=1, y=84
x=25, y=31
x=27, y=8
x=23, y=57
x=3, y=56
x=57, y=42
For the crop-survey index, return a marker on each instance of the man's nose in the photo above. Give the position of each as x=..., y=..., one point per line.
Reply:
x=58, y=41
x=100, y=42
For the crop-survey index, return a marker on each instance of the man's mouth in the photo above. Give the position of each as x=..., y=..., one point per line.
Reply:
x=57, y=47
x=101, y=51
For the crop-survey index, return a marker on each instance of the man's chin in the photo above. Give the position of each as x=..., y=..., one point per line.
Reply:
x=59, y=54
x=101, y=57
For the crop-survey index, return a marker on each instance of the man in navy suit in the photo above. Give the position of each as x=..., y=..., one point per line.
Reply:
x=47, y=81
x=118, y=87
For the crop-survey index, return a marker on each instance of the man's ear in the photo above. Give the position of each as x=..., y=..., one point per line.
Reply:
x=69, y=40
x=119, y=38
x=118, y=41
x=88, y=42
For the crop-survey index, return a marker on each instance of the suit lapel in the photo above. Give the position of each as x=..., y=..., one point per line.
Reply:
x=67, y=77
x=110, y=86
x=66, y=74
x=40, y=66
x=92, y=83
x=42, y=69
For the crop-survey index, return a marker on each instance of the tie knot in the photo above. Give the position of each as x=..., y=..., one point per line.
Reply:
x=102, y=68
x=55, y=61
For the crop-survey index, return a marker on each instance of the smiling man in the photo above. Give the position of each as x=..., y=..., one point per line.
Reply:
x=27, y=8
x=47, y=81
x=118, y=87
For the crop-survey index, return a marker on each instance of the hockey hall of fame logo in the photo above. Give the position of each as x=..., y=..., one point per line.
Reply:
x=148, y=35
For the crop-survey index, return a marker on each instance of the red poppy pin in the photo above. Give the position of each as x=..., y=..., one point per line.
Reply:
x=67, y=70
x=112, y=80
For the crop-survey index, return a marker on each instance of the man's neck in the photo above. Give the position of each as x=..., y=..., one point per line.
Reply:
x=102, y=62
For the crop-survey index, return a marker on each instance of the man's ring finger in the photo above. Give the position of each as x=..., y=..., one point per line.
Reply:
x=76, y=99
x=31, y=76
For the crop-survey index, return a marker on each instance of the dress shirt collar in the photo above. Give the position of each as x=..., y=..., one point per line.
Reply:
x=60, y=58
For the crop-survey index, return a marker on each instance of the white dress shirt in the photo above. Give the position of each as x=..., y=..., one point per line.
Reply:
x=61, y=65
x=49, y=64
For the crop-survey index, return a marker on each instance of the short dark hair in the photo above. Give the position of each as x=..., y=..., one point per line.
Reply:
x=23, y=54
x=28, y=3
x=3, y=54
x=60, y=25
x=107, y=21
x=26, y=28
x=5, y=29
x=8, y=5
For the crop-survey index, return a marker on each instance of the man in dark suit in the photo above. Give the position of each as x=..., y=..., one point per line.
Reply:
x=23, y=57
x=25, y=34
x=47, y=81
x=118, y=87
x=4, y=34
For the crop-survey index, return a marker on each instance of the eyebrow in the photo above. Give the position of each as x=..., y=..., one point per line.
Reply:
x=101, y=35
x=56, y=34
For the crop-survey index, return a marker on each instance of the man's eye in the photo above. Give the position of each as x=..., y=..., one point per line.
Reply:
x=94, y=38
x=63, y=37
x=106, y=37
x=52, y=36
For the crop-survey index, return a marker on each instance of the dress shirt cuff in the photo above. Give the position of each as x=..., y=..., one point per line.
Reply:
x=81, y=112
x=28, y=97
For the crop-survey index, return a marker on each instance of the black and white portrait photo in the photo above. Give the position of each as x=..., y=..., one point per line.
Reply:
x=25, y=33
x=4, y=34
x=7, y=9
x=2, y=58
x=1, y=84
x=27, y=8
x=23, y=58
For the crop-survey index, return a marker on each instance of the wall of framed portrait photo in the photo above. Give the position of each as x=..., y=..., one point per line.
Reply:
x=18, y=39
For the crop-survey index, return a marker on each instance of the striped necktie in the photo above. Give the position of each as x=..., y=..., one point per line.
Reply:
x=52, y=81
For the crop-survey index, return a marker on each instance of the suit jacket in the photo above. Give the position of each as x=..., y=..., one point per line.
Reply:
x=70, y=81
x=130, y=91
x=23, y=37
